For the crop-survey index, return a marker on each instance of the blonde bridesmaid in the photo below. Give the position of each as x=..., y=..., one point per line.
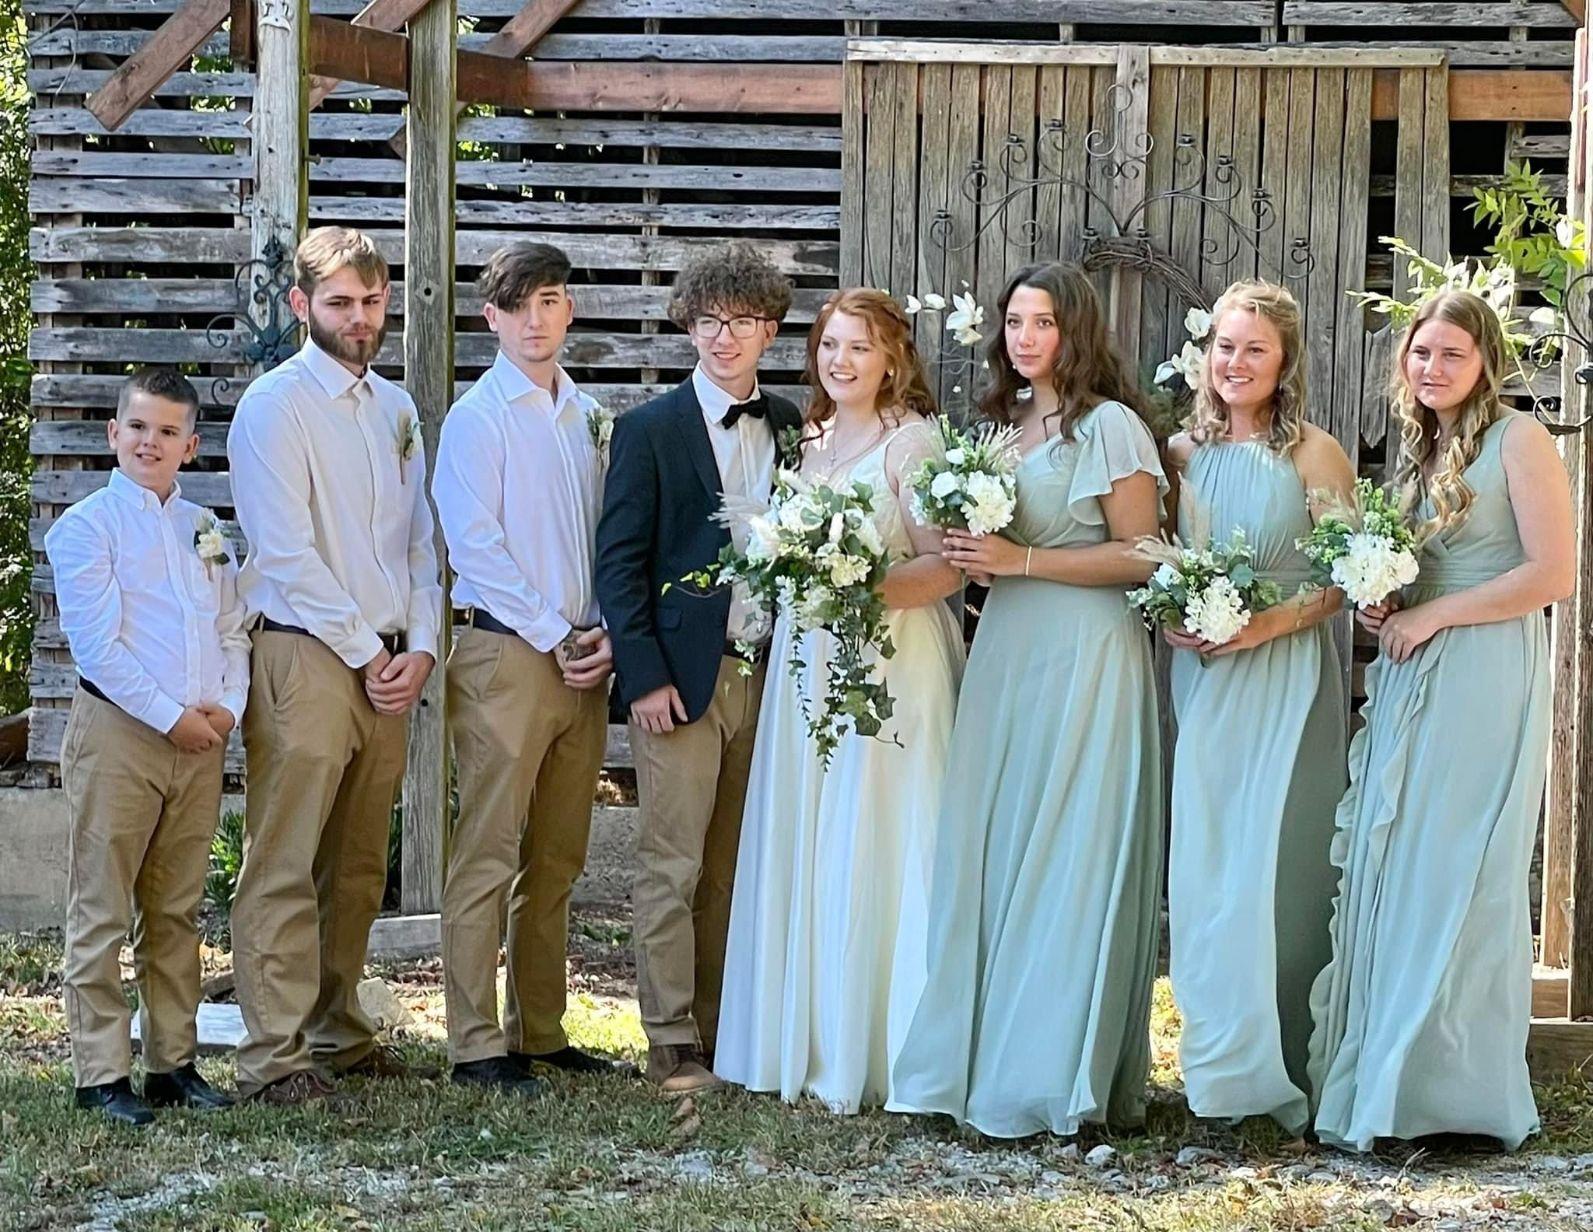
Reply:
x=1421, y=1018
x=1259, y=762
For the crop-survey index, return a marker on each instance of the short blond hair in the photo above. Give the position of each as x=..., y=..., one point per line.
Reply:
x=326, y=250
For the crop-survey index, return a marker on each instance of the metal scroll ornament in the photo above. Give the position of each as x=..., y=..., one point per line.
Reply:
x=1571, y=340
x=1237, y=219
x=263, y=311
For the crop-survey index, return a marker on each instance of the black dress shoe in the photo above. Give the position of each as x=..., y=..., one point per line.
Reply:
x=116, y=1100
x=572, y=1060
x=183, y=1088
x=498, y=1074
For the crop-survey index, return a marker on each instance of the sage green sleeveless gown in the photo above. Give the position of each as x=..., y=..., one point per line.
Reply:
x=1043, y=920
x=1421, y=1018
x=1257, y=771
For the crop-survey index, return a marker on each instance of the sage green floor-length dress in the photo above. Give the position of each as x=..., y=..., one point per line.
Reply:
x=1421, y=1018
x=1043, y=917
x=1257, y=772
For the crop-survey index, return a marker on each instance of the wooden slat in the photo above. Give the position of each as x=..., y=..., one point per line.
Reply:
x=1022, y=115
x=1349, y=345
x=1133, y=121
x=962, y=147
x=853, y=184
x=904, y=181
x=1381, y=13
x=1214, y=272
x=135, y=80
x=1185, y=215
x=934, y=187
x=878, y=169
x=991, y=253
x=1249, y=108
x=1326, y=232
x=1408, y=170
x=1161, y=331
x=1435, y=164
x=1113, y=12
x=1298, y=204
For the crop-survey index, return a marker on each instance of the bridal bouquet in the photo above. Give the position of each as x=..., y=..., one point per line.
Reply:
x=972, y=487
x=816, y=553
x=1209, y=591
x=1364, y=548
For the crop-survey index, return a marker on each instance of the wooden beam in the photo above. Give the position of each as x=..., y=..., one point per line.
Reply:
x=281, y=129
x=525, y=29
x=345, y=52
x=240, y=33
x=168, y=49
x=1556, y=1047
x=428, y=376
x=377, y=15
x=1577, y=9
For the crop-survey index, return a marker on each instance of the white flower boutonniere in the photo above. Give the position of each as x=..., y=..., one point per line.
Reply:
x=209, y=542
x=409, y=442
x=600, y=423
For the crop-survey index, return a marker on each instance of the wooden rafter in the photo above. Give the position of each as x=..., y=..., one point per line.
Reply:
x=522, y=32
x=168, y=49
x=387, y=15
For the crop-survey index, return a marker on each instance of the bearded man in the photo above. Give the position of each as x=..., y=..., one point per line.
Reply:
x=328, y=478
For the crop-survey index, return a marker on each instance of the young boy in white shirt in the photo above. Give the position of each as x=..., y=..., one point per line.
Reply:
x=148, y=598
x=519, y=487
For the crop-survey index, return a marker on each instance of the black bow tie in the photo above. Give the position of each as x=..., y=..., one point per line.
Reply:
x=757, y=408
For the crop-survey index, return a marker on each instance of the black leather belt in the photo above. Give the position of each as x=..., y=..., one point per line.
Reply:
x=92, y=689
x=480, y=618
x=753, y=655
x=393, y=642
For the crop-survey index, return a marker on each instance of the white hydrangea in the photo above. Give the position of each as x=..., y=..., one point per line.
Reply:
x=847, y=570
x=1371, y=569
x=989, y=506
x=810, y=608
x=1218, y=613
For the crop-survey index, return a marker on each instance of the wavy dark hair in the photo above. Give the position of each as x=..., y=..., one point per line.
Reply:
x=1088, y=368
x=905, y=386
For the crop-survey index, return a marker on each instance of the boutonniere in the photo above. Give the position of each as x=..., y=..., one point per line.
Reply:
x=600, y=423
x=408, y=442
x=209, y=542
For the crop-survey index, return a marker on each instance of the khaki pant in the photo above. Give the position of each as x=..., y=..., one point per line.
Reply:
x=324, y=771
x=692, y=783
x=142, y=815
x=528, y=749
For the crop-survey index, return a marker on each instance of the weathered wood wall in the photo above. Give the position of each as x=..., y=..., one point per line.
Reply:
x=139, y=234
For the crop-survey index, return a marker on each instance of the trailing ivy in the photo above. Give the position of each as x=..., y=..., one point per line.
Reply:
x=16, y=273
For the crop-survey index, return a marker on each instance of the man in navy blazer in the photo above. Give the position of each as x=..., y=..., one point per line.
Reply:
x=690, y=666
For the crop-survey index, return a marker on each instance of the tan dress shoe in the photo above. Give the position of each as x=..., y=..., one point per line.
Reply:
x=678, y=1069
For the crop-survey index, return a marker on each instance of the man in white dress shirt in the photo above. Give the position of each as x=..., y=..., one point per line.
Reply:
x=328, y=478
x=149, y=605
x=519, y=486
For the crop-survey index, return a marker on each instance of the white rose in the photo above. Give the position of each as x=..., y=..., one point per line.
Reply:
x=763, y=540
x=945, y=484
x=955, y=457
x=212, y=543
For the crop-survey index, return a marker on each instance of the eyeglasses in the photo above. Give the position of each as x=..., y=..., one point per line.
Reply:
x=708, y=328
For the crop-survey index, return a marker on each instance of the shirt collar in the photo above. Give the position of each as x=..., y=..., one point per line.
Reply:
x=331, y=375
x=514, y=384
x=137, y=495
x=714, y=400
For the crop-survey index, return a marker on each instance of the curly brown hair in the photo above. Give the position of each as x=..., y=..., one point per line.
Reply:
x=735, y=279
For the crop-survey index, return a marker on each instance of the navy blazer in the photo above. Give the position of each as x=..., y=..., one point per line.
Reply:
x=660, y=494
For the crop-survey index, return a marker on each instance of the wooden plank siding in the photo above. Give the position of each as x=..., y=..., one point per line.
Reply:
x=140, y=233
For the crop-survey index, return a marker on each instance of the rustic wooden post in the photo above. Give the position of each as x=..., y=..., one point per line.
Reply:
x=1559, y=821
x=281, y=126
x=1133, y=124
x=1580, y=940
x=429, y=377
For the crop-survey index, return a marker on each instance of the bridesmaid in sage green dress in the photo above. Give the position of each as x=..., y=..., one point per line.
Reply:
x=1043, y=920
x=1421, y=1018
x=1259, y=762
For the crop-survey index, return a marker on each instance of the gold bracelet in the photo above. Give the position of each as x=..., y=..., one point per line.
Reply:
x=1027, y=559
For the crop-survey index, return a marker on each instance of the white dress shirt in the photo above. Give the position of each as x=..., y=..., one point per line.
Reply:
x=519, y=488
x=150, y=624
x=744, y=453
x=340, y=534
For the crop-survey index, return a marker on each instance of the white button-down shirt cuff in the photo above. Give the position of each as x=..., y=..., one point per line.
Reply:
x=421, y=641
x=547, y=633
x=360, y=649
x=161, y=712
x=233, y=704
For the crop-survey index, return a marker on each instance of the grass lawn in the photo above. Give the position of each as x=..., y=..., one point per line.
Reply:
x=602, y=1155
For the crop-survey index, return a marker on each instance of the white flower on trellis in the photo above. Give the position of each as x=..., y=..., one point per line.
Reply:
x=964, y=323
x=1197, y=323
x=1565, y=232
x=935, y=301
x=913, y=306
x=1185, y=364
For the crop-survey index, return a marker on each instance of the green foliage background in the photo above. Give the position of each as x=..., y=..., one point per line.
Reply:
x=16, y=272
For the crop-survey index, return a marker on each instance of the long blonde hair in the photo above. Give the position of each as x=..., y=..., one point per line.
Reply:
x=1270, y=302
x=1418, y=424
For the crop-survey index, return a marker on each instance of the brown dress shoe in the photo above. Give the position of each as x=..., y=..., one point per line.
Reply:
x=381, y=1061
x=678, y=1069
x=304, y=1087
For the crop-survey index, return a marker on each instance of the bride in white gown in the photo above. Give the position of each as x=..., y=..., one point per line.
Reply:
x=825, y=959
